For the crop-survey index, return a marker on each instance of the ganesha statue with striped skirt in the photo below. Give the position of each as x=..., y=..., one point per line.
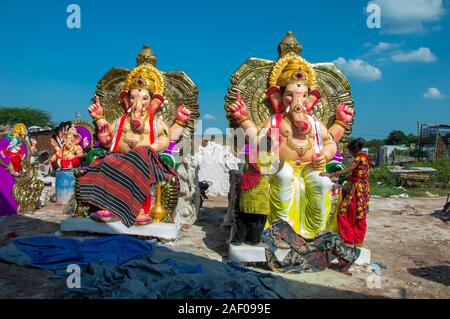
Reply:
x=141, y=116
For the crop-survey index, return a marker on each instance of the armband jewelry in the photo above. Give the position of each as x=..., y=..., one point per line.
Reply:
x=97, y=118
x=181, y=123
x=341, y=124
x=328, y=139
x=242, y=120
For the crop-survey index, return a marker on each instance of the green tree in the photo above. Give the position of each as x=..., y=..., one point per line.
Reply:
x=25, y=115
x=373, y=145
x=412, y=139
x=396, y=138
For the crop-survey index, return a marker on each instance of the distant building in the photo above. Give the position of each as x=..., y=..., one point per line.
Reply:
x=386, y=153
x=42, y=135
x=434, y=139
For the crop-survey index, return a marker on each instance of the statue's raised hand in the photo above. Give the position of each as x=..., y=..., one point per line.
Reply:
x=104, y=133
x=183, y=114
x=96, y=110
x=344, y=113
x=239, y=110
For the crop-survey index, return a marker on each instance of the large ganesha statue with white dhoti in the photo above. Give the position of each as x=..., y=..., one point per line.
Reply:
x=305, y=111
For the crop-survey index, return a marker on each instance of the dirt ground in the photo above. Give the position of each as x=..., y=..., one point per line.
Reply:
x=403, y=233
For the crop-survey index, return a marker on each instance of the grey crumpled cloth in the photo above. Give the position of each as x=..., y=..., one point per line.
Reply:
x=169, y=274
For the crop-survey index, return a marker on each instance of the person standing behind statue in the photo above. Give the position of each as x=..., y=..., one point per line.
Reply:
x=355, y=205
x=254, y=205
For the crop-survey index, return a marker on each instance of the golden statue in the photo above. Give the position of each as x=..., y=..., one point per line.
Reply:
x=306, y=110
x=141, y=114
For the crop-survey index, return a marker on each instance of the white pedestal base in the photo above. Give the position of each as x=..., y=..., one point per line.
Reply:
x=364, y=257
x=246, y=253
x=166, y=231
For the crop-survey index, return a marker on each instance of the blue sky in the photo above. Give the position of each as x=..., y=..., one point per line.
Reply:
x=399, y=73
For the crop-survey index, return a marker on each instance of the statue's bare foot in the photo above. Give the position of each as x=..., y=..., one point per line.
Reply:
x=143, y=219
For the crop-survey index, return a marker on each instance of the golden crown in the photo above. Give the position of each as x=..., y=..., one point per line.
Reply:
x=145, y=76
x=292, y=69
x=20, y=129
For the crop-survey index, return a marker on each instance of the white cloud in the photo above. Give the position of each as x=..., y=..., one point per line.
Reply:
x=433, y=94
x=382, y=50
x=419, y=55
x=209, y=117
x=359, y=69
x=383, y=46
x=408, y=16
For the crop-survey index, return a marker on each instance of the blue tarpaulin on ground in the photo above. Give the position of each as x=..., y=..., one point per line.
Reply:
x=169, y=274
x=58, y=252
x=125, y=267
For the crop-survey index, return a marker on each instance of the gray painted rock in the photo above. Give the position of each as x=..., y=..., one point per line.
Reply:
x=189, y=199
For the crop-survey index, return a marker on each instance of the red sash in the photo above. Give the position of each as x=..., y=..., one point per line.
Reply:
x=120, y=129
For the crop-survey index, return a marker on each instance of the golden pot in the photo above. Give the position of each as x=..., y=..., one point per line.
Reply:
x=158, y=212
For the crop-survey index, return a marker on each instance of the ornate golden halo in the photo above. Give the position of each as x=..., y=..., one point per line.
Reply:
x=291, y=69
x=145, y=76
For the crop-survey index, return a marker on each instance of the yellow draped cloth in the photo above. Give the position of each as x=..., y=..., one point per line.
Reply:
x=301, y=197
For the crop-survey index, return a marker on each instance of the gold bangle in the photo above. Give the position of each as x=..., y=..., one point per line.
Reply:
x=341, y=124
x=325, y=156
x=101, y=117
x=242, y=120
x=181, y=123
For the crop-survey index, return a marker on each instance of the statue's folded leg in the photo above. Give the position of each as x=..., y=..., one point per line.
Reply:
x=318, y=202
x=287, y=197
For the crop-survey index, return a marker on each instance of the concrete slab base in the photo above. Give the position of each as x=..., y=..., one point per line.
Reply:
x=364, y=257
x=246, y=253
x=165, y=231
